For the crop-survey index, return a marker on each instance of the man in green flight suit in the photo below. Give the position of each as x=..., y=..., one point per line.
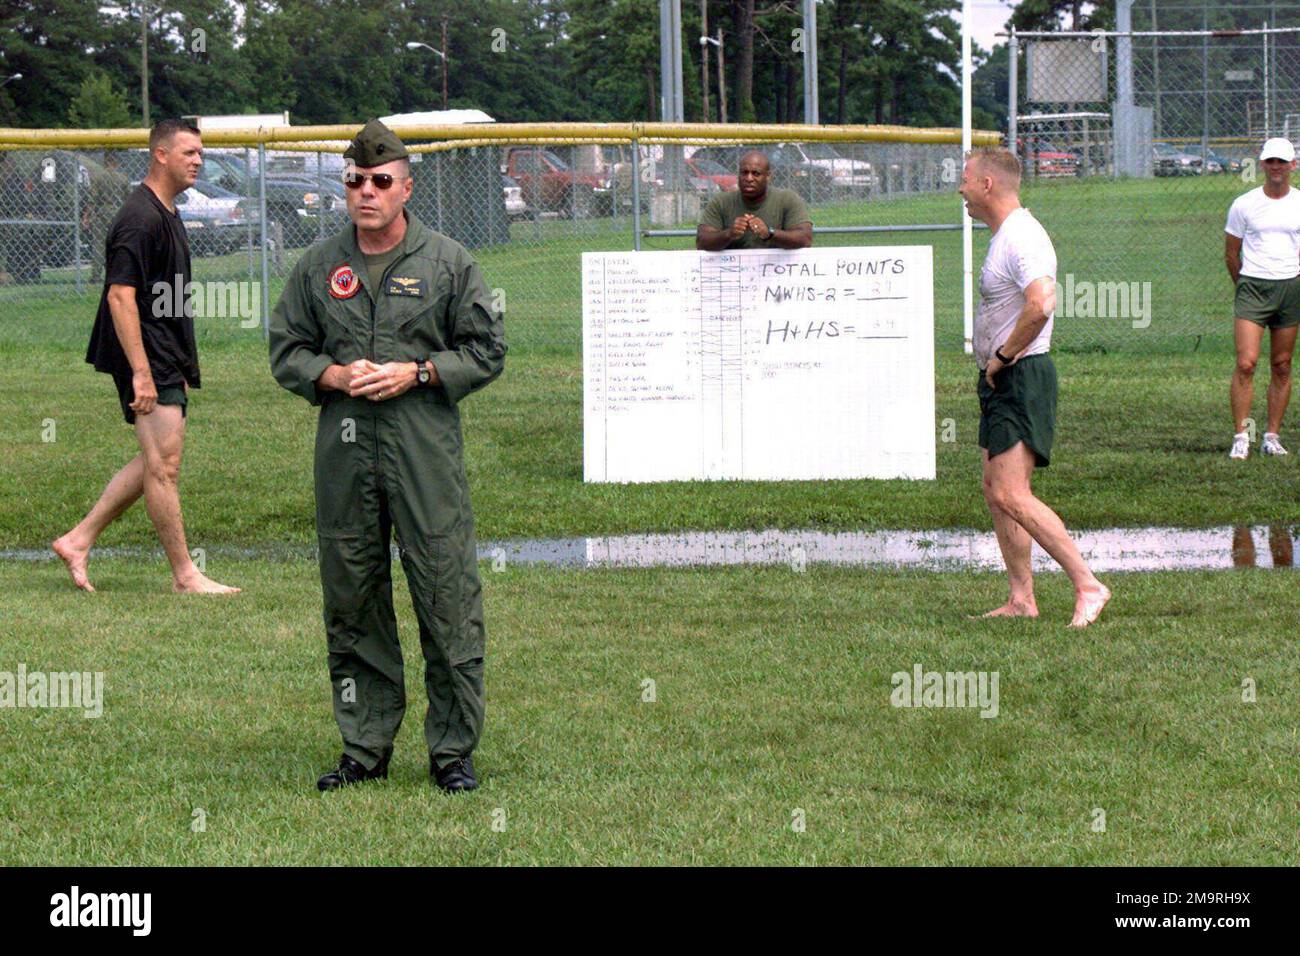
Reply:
x=387, y=326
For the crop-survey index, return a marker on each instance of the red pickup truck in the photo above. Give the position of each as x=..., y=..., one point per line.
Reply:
x=549, y=184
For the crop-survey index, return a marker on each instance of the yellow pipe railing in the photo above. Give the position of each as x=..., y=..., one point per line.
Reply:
x=492, y=133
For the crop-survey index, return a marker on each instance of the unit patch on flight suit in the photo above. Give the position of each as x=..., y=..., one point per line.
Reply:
x=343, y=282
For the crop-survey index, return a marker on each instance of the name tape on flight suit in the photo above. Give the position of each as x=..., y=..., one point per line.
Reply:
x=402, y=285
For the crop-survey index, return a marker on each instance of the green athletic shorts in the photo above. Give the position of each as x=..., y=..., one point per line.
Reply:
x=1272, y=303
x=1021, y=408
x=167, y=395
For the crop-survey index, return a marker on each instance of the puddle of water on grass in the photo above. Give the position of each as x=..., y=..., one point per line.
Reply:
x=1115, y=549
x=1118, y=549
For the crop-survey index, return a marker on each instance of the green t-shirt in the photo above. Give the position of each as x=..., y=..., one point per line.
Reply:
x=377, y=265
x=779, y=208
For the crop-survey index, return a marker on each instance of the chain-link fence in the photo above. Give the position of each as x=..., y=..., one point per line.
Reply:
x=527, y=209
x=1134, y=144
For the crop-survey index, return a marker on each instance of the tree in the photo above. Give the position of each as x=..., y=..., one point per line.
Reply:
x=1063, y=14
x=99, y=104
x=52, y=44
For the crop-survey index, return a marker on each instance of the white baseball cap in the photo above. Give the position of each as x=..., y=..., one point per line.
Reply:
x=1277, y=148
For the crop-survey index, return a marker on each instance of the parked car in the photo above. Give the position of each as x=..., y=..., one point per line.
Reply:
x=702, y=167
x=845, y=174
x=1171, y=161
x=216, y=220
x=1214, y=162
x=37, y=201
x=1043, y=159
x=296, y=203
x=789, y=169
x=516, y=208
x=229, y=171
x=547, y=183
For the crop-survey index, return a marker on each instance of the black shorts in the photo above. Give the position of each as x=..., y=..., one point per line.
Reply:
x=1021, y=408
x=167, y=395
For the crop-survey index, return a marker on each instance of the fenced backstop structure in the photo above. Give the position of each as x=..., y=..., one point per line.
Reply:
x=1140, y=255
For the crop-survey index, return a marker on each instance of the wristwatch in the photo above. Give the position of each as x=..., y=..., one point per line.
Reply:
x=770, y=233
x=423, y=376
x=997, y=354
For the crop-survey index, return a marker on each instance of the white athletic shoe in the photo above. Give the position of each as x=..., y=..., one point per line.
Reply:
x=1240, y=446
x=1271, y=445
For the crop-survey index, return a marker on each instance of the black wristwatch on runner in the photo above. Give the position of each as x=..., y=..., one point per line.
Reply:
x=997, y=354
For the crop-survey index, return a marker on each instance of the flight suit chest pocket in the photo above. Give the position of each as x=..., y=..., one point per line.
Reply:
x=420, y=321
x=342, y=325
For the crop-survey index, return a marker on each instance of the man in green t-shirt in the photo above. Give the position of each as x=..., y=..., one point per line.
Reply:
x=756, y=216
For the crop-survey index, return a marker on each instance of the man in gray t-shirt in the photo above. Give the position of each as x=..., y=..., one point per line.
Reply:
x=1017, y=385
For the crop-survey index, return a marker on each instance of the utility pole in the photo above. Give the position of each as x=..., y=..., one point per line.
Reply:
x=722, y=81
x=704, y=50
x=670, y=60
x=722, y=72
x=811, y=108
x=444, y=62
x=144, y=61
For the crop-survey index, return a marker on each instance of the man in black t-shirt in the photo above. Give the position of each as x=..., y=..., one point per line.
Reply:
x=144, y=337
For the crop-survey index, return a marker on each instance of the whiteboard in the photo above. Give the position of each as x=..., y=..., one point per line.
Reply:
x=764, y=364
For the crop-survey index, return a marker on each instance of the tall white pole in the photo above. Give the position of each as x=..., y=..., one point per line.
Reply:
x=679, y=105
x=967, y=253
x=667, y=103
x=811, y=107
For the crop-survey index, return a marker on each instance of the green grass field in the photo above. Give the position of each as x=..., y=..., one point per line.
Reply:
x=772, y=686
x=1141, y=441
x=772, y=695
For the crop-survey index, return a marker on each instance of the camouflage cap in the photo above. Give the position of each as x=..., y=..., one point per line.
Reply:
x=375, y=145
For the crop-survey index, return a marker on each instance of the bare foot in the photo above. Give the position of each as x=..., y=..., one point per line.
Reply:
x=75, y=558
x=199, y=584
x=1088, y=605
x=1010, y=609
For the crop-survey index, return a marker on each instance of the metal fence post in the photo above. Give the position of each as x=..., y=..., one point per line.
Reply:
x=76, y=220
x=248, y=194
x=636, y=195
x=437, y=158
x=1268, y=98
x=573, y=193
x=266, y=272
x=1205, y=92
x=321, y=192
x=1013, y=93
x=537, y=192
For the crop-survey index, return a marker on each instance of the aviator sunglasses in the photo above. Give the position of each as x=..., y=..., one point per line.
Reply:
x=353, y=180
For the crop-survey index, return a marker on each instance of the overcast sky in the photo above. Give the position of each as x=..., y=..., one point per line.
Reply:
x=987, y=18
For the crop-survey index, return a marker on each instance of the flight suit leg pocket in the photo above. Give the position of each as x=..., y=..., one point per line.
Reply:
x=346, y=569
x=448, y=601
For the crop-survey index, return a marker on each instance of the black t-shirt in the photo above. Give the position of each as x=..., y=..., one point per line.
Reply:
x=146, y=248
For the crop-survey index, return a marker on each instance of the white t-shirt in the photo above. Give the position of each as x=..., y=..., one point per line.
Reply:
x=1269, y=230
x=1019, y=253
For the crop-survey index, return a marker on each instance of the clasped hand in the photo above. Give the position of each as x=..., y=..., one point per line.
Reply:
x=379, y=382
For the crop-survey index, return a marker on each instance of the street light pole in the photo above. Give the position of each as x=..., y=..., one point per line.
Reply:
x=413, y=44
x=722, y=80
